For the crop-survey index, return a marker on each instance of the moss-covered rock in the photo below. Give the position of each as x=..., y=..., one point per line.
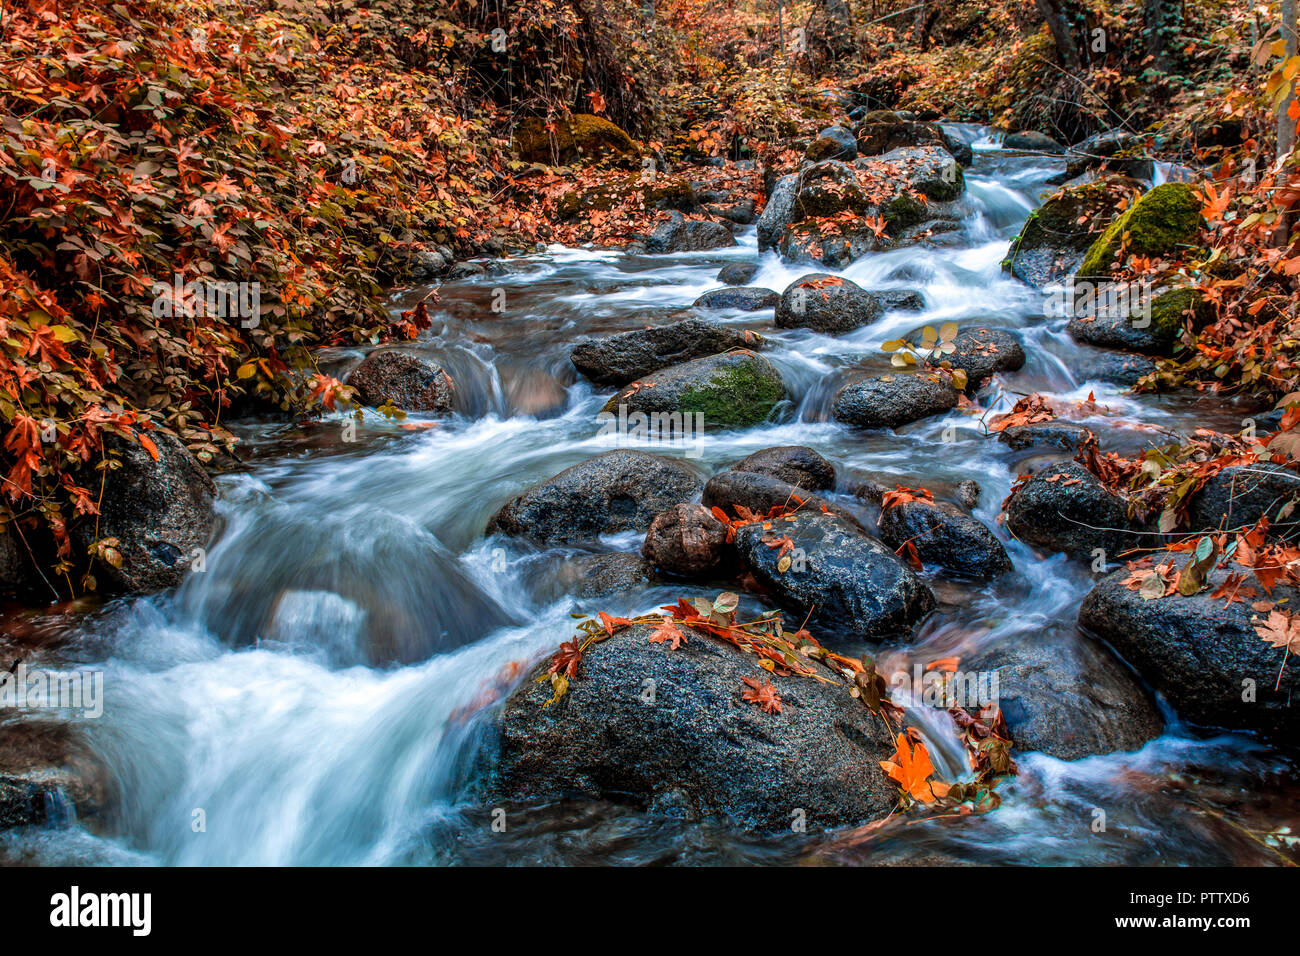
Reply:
x=664, y=192
x=1058, y=234
x=577, y=137
x=1152, y=330
x=735, y=389
x=1166, y=219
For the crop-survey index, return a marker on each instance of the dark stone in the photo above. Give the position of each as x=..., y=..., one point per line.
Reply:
x=944, y=536
x=795, y=464
x=1115, y=368
x=854, y=587
x=839, y=307
x=1058, y=234
x=686, y=539
x=1032, y=141
x=968, y=492
x=617, y=491
x=411, y=382
x=1068, y=697
x=1049, y=513
x=983, y=352
x=1199, y=651
x=1240, y=495
x=903, y=300
x=699, y=749
x=735, y=389
x=834, y=142
x=690, y=235
x=1055, y=434
x=466, y=270
x=160, y=512
x=600, y=575
x=779, y=211
x=738, y=273
x=760, y=493
x=625, y=357
x=746, y=299
x=894, y=400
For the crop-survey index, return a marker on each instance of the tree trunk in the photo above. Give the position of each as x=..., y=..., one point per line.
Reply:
x=1162, y=21
x=1067, y=30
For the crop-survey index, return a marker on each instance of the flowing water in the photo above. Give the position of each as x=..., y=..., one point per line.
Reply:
x=315, y=695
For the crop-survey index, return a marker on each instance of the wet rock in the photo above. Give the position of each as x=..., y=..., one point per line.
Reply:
x=625, y=357
x=982, y=352
x=944, y=536
x=968, y=492
x=736, y=389
x=466, y=270
x=411, y=382
x=1240, y=495
x=427, y=264
x=1161, y=223
x=738, y=273
x=885, y=132
x=827, y=304
x=795, y=464
x=689, y=235
x=760, y=493
x=855, y=587
x=779, y=212
x=600, y=575
x=741, y=213
x=1133, y=328
x=892, y=401
x=1032, y=141
x=1066, y=508
x=580, y=137
x=1057, y=235
x=699, y=749
x=902, y=300
x=1204, y=655
x=834, y=142
x=15, y=567
x=1068, y=697
x=686, y=539
x=48, y=775
x=664, y=193
x=747, y=299
x=1115, y=368
x=160, y=512
x=618, y=491
x=1066, y=436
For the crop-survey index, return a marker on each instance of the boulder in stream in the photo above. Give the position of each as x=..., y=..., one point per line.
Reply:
x=826, y=303
x=690, y=235
x=854, y=587
x=1057, y=235
x=1161, y=223
x=1239, y=495
x=746, y=299
x=618, y=491
x=738, y=273
x=891, y=401
x=1066, y=508
x=411, y=382
x=1203, y=654
x=686, y=539
x=944, y=536
x=982, y=352
x=160, y=511
x=735, y=389
x=1067, y=696
x=1137, y=325
x=796, y=464
x=670, y=730
x=625, y=357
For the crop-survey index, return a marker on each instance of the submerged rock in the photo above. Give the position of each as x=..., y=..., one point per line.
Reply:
x=617, y=491
x=1203, y=654
x=738, y=273
x=160, y=513
x=735, y=389
x=854, y=587
x=692, y=744
x=625, y=357
x=748, y=299
x=944, y=536
x=826, y=303
x=411, y=382
x=891, y=401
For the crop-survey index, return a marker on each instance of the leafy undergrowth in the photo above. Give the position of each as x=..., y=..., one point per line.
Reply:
x=153, y=151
